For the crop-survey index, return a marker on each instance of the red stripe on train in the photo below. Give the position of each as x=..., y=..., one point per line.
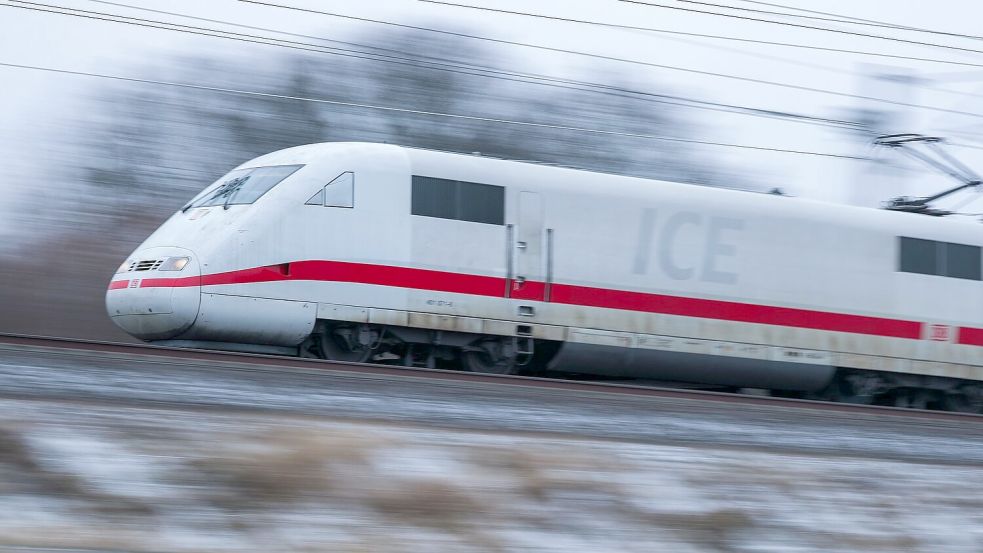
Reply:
x=117, y=284
x=735, y=311
x=364, y=273
x=175, y=282
x=442, y=281
x=970, y=336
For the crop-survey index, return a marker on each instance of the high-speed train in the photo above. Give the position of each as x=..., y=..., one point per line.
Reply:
x=380, y=253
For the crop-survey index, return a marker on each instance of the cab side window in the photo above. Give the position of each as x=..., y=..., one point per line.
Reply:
x=340, y=192
x=459, y=200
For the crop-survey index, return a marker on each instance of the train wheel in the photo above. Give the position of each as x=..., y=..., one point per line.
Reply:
x=341, y=343
x=483, y=359
x=309, y=348
x=914, y=398
x=852, y=387
x=965, y=400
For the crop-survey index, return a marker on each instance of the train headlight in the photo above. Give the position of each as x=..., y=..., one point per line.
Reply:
x=174, y=264
x=123, y=267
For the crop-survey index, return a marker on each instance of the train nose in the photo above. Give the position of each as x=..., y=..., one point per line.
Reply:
x=156, y=293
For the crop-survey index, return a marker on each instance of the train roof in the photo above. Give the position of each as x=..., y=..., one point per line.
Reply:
x=476, y=167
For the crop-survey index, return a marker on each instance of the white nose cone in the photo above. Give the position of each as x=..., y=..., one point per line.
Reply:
x=157, y=293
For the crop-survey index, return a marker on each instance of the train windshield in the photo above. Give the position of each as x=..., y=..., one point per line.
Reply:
x=242, y=186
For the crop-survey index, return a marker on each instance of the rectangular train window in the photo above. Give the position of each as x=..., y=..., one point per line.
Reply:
x=930, y=257
x=963, y=261
x=919, y=256
x=459, y=200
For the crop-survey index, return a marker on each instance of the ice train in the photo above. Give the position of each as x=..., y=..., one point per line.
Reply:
x=381, y=253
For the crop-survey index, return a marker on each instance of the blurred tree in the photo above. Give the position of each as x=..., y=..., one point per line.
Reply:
x=157, y=145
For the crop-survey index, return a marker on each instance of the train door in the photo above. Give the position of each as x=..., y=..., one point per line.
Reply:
x=529, y=282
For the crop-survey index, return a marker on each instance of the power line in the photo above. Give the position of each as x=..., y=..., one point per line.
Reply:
x=528, y=124
x=442, y=65
x=803, y=10
x=755, y=53
x=638, y=62
x=680, y=101
x=562, y=50
x=802, y=26
x=201, y=31
x=738, y=51
x=269, y=41
x=961, y=145
x=836, y=18
x=857, y=20
x=689, y=102
x=803, y=64
x=243, y=26
x=660, y=98
x=705, y=35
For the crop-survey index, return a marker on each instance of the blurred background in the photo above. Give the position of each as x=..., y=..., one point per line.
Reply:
x=113, y=114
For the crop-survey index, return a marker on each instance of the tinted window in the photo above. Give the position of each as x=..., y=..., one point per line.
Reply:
x=962, y=261
x=919, y=256
x=434, y=197
x=481, y=203
x=464, y=201
x=929, y=257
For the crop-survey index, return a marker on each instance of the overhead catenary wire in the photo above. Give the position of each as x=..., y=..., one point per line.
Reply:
x=742, y=52
x=804, y=10
x=803, y=26
x=393, y=109
x=441, y=65
x=798, y=62
x=693, y=103
x=465, y=68
x=765, y=113
x=646, y=64
x=922, y=83
x=660, y=98
x=706, y=35
x=630, y=27
x=835, y=18
x=964, y=145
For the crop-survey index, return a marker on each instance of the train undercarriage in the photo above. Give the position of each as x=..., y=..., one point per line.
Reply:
x=902, y=390
x=437, y=349
x=432, y=349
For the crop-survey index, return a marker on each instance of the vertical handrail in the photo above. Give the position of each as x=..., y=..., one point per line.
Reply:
x=549, y=265
x=509, y=259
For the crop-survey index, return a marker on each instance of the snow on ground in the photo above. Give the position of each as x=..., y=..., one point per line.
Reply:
x=142, y=480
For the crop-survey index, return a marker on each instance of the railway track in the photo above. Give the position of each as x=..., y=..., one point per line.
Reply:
x=261, y=362
x=65, y=378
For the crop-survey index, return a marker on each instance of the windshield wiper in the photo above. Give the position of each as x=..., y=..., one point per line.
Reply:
x=233, y=187
x=227, y=189
x=222, y=190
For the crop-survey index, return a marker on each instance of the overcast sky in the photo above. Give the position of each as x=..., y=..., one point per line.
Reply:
x=35, y=105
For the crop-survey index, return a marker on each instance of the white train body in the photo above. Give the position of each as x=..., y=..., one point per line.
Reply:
x=628, y=276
